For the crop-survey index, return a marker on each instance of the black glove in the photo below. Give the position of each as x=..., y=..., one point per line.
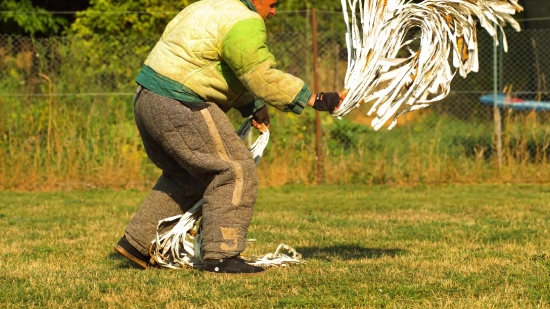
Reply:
x=327, y=102
x=261, y=115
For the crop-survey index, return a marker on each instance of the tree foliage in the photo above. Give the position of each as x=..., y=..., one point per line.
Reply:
x=123, y=18
x=22, y=17
x=149, y=17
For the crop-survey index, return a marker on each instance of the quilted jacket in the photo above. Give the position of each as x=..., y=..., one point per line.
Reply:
x=215, y=51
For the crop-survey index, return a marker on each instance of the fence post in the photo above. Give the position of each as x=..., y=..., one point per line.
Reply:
x=318, y=156
x=496, y=111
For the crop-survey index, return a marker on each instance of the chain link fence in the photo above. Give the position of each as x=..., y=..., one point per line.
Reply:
x=66, y=97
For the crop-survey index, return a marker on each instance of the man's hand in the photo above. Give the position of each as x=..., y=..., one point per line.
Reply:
x=327, y=101
x=261, y=117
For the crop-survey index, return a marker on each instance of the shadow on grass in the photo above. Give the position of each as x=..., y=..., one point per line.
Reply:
x=348, y=252
x=122, y=262
x=340, y=252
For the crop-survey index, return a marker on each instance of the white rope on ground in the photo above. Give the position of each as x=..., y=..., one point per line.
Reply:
x=284, y=255
x=377, y=34
x=180, y=246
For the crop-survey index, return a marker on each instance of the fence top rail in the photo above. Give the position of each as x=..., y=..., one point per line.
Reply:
x=175, y=12
x=136, y=12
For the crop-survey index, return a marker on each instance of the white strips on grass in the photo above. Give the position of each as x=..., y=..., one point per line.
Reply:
x=383, y=69
x=180, y=246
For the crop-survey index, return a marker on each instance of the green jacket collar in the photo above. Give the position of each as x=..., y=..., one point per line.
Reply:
x=249, y=5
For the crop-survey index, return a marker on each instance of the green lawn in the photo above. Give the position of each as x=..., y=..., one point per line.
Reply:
x=478, y=246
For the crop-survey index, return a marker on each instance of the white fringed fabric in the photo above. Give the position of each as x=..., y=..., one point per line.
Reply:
x=284, y=255
x=180, y=246
x=377, y=30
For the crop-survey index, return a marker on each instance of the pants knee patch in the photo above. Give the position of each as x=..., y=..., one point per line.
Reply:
x=231, y=235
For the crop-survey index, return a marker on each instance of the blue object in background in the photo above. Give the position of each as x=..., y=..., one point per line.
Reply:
x=515, y=103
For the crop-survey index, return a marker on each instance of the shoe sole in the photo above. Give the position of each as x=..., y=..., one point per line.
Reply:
x=132, y=258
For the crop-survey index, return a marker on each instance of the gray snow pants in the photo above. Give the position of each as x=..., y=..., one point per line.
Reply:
x=200, y=156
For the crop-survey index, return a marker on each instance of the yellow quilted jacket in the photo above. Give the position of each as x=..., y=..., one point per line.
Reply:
x=215, y=51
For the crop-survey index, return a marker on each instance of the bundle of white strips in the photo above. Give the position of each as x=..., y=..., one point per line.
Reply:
x=180, y=246
x=377, y=30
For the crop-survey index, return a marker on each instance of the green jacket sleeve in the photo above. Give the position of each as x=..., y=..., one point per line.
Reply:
x=244, y=49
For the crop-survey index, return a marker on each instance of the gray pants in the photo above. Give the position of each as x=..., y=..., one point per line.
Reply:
x=200, y=156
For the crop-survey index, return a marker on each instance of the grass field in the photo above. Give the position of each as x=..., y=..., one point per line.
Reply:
x=482, y=246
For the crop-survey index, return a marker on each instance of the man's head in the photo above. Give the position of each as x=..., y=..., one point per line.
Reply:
x=265, y=8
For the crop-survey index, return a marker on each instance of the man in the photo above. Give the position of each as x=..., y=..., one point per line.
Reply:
x=212, y=57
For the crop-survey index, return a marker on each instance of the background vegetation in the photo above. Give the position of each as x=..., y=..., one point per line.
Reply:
x=66, y=122
x=66, y=116
x=149, y=17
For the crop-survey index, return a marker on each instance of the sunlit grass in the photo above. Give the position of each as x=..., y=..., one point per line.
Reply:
x=483, y=246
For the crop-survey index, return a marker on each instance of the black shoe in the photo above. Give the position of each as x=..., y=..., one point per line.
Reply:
x=128, y=251
x=231, y=266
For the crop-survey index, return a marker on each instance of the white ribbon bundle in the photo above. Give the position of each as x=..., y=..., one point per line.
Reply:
x=180, y=246
x=377, y=30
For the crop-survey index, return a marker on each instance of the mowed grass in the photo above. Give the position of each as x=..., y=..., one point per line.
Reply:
x=478, y=246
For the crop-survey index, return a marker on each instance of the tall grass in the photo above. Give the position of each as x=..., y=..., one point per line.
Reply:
x=58, y=128
x=48, y=145
x=432, y=149
x=66, y=122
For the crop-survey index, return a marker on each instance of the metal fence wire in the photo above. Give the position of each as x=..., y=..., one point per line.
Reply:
x=85, y=71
